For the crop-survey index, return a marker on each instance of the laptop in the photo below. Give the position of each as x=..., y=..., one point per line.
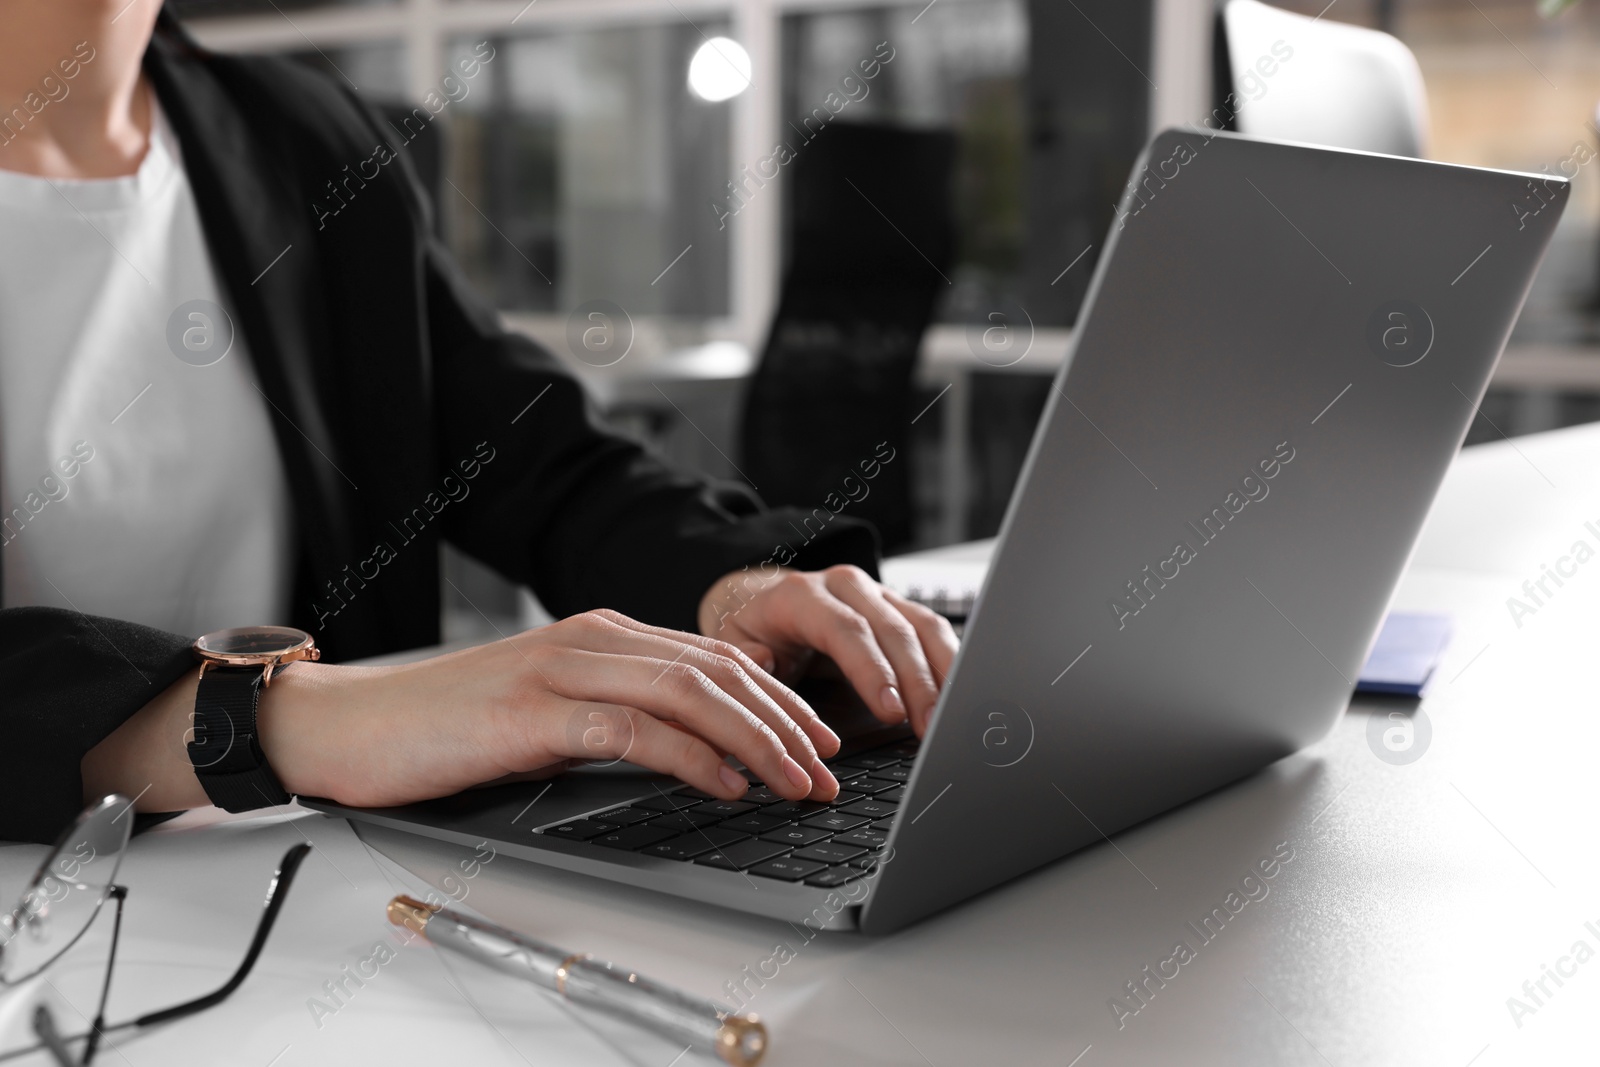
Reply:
x=1280, y=353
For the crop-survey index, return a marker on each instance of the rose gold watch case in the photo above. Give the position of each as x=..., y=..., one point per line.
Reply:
x=295, y=645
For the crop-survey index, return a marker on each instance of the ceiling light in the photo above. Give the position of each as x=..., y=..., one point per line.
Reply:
x=720, y=70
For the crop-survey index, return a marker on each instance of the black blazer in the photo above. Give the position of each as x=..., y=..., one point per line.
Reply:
x=387, y=375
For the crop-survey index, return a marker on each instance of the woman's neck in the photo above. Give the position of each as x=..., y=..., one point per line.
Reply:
x=72, y=100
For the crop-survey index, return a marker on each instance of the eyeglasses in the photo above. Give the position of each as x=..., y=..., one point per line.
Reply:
x=61, y=902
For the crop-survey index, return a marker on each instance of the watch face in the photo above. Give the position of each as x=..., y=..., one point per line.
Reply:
x=264, y=641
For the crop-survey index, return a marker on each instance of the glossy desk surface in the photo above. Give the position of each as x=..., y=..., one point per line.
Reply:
x=1419, y=899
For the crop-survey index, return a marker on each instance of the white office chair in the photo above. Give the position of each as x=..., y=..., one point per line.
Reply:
x=1341, y=85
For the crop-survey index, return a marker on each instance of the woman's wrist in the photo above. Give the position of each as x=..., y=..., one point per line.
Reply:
x=147, y=757
x=729, y=594
x=295, y=726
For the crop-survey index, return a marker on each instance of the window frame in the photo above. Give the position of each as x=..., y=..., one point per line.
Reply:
x=422, y=29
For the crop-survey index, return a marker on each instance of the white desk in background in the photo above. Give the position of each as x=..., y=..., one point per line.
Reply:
x=656, y=379
x=1420, y=898
x=656, y=376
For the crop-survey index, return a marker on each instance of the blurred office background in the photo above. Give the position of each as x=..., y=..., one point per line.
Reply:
x=585, y=170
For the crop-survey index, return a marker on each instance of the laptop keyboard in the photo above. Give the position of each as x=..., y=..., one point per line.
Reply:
x=820, y=844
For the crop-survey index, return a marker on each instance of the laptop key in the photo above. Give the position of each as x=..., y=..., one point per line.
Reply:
x=872, y=809
x=892, y=796
x=625, y=816
x=632, y=838
x=829, y=852
x=870, y=760
x=834, y=876
x=786, y=869
x=884, y=824
x=754, y=823
x=758, y=795
x=846, y=796
x=581, y=830
x=718, y=836
x=683, y=848
x=901, y=774
x=873, y=786
x=666, y=802
x=792, y=810
x=834, y=821
x=795, y=835
x=906, y=749
x=683, y=821
x=845, y=774
x=742, y=854
x=694, y=844
x=866, y=837
x=723, y=808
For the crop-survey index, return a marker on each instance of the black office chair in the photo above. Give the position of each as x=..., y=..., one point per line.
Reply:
x=870, y=238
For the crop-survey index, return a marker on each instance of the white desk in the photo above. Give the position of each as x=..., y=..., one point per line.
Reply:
x=1419, y=899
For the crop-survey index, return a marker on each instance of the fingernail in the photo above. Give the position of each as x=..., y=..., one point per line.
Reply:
x=733, y=779
x=800, y=778
x=820, y=775
x=890, y=699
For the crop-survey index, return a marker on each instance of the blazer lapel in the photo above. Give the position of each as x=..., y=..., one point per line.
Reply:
x=262, y=246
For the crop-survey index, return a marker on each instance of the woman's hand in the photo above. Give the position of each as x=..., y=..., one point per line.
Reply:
x=596, y=686
x=894, y=652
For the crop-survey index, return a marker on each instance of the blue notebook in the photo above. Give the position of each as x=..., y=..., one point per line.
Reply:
x=1403, y=659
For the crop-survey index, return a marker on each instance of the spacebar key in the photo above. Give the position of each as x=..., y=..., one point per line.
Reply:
x=744, y=854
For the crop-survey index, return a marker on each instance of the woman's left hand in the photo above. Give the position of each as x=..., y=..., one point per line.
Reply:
x=894, y=652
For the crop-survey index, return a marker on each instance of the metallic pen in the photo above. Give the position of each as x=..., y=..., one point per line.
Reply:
x=737, y=1039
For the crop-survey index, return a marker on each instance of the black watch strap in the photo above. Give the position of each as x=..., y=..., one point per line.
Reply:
x=225, y=750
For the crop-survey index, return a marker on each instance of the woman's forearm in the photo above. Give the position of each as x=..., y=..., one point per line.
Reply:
x=146, y=756
x=595, y=686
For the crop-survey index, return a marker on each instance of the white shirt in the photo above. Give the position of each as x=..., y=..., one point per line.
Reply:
x=133, y=483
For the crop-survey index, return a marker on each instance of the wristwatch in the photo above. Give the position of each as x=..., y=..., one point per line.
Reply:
x=235, y=665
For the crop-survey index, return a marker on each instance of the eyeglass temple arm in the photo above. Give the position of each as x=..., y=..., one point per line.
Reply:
x=277, y=892
x=92, y=1043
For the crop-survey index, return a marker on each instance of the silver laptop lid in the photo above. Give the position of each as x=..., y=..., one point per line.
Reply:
x=1280, y=354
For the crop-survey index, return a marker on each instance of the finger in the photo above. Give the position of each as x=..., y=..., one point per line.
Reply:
x=896, y=637
x=795, y=709
x=682, y=693
x=792, y=713
x=938, y=637
x=764, y=657
x=597, y=730
x=842, y=633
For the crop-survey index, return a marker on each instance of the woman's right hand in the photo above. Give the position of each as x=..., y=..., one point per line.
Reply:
x=595, y=686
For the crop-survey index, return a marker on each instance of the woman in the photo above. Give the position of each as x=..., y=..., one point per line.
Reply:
x=168, y=467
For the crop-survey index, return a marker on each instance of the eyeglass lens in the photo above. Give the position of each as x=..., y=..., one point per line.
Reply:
x=61, y=900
